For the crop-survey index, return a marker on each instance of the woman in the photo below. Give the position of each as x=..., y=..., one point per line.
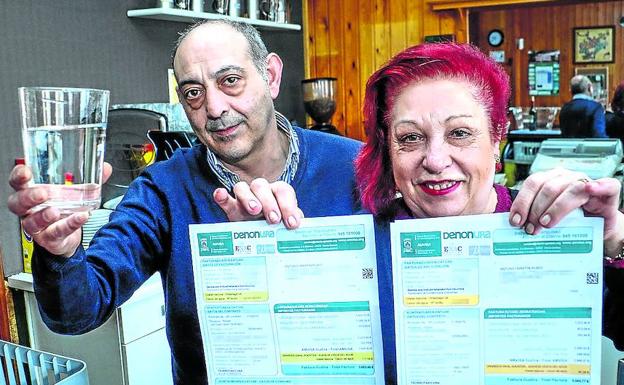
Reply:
x=435, y=115
x=615, y=119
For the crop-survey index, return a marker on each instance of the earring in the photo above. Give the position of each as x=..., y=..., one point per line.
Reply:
x=499, y=165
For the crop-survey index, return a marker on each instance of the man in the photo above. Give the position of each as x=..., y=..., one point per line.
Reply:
x=226, y=82
x=582, y=117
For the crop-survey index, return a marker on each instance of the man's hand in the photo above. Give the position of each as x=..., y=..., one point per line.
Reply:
x=275, y=202
x=60, y=235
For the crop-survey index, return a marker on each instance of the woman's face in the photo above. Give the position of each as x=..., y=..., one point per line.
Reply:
x=441, y=150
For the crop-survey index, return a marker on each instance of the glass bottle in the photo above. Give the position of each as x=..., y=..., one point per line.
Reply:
x=532, y=115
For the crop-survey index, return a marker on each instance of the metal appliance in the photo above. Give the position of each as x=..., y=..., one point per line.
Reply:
x=520, y=151
x=598, y=158
x=319, y=101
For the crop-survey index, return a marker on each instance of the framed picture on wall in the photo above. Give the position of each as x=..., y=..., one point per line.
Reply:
x=599, y=77
x=594, y=44
x=439, y=38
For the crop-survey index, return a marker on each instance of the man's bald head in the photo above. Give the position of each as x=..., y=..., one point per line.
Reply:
x=580, y=84
x=255, y=46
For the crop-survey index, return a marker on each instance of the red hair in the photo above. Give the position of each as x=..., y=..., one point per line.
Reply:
x=416, y=64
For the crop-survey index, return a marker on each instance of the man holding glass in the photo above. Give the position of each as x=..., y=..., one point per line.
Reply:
x=250, y=156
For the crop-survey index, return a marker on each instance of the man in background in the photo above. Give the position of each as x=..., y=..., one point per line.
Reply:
x=582, y=117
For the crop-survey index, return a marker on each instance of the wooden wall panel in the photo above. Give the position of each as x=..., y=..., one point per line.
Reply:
x=367, y=63
x=414, y=27
x=352, y=73
x=309, y=44
x=381, y=32
x=337, y=58
x=398, y=25
x=550, y=27
x=447, y=22
x=321, y=33
x=350, y=39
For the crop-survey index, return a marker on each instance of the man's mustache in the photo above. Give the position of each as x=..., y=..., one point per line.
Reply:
x=223, y=122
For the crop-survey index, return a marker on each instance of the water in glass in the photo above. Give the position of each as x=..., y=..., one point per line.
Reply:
x=67, y=161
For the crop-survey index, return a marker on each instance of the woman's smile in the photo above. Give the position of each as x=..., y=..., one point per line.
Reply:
x=439, y=187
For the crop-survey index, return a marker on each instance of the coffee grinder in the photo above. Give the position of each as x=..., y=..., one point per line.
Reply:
x=320, y=103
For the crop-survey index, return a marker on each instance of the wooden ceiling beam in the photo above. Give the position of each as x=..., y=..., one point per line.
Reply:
x=446, y=5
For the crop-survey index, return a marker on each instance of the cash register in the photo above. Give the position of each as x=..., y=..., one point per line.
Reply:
x=598, y=158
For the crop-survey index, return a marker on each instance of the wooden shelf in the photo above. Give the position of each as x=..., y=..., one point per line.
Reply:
x=184, y=16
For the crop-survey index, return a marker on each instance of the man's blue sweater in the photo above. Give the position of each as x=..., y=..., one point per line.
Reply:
x=149, y=232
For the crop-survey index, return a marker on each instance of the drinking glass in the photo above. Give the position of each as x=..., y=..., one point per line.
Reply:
x=220, y=6
x=268, y=9
x=64, y=132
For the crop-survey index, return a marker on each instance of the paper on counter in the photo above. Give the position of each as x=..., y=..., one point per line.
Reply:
x=480, y=302
x=280, y=306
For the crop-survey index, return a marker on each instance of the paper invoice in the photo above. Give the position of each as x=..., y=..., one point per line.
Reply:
x=280, y=306
x=480, y=302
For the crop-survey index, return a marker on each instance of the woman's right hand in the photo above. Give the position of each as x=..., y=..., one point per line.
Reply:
x=60, y=235
x=547, y=197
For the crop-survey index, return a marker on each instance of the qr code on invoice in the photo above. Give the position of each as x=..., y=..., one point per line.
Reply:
x=592, y=278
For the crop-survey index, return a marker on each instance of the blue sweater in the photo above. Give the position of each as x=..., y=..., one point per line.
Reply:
x=149, y=232
x=386, y=298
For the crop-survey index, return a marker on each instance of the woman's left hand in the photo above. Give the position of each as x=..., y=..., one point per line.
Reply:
x=547, y=197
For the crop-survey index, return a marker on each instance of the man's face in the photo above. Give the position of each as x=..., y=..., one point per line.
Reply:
x=228, y=103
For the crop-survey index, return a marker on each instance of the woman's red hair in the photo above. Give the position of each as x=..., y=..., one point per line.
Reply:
x=415, y=64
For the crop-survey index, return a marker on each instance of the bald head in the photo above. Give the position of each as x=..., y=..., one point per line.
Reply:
x=580, y=84
x=255, y=46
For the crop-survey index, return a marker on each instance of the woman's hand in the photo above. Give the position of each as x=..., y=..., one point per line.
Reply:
x=547, y=197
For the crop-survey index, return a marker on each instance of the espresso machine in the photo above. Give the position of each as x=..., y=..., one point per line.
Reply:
x=319, y=102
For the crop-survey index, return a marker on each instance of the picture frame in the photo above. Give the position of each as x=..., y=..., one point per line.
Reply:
x=448, y=38
x=594, y=44
x=599, y=77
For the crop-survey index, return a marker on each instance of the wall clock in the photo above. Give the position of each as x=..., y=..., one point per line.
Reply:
x=495, y=37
